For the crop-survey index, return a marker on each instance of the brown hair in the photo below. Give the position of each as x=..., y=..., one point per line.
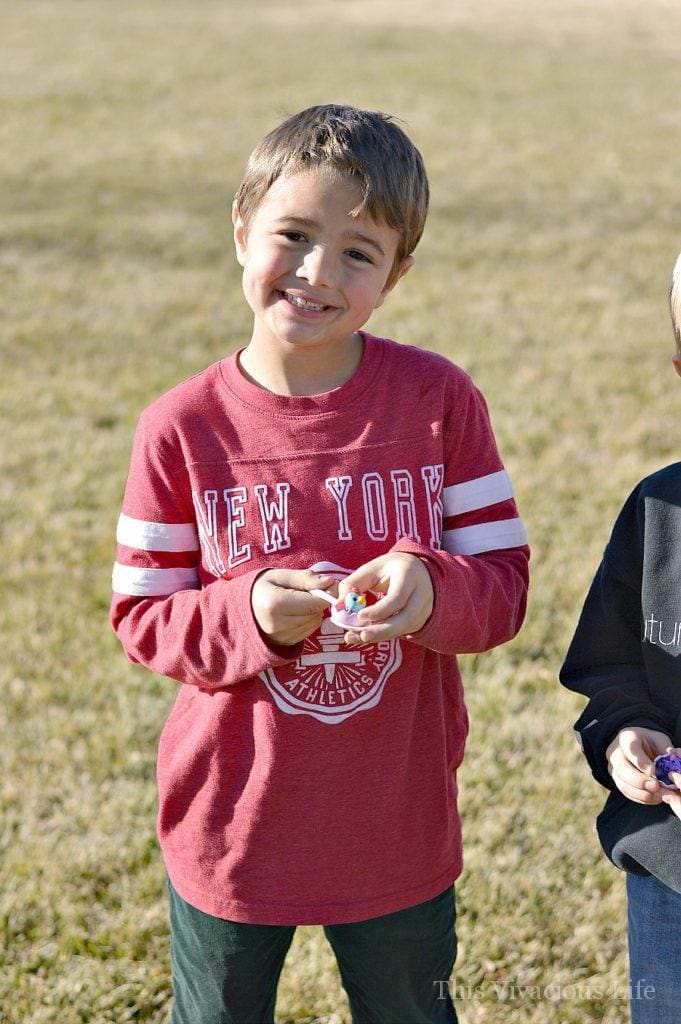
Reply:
x=675, y=301
x=366, y=144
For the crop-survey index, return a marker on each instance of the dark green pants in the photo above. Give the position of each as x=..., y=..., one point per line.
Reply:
x=394, y=968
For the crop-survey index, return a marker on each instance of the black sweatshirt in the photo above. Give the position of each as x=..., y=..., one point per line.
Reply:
x=625, y=658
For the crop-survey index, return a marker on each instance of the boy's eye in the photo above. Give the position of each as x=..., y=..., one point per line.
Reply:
x=294, y=236
x=357, y=255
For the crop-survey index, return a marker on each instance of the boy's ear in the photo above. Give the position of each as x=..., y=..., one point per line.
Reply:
x=676, y=359
x=405, y=266
x=239, y=235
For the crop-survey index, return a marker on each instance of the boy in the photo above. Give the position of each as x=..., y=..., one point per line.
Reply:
x=307, y=774
x=625, y=658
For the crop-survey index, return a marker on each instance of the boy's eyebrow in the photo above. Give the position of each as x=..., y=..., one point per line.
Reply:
x=307, y=222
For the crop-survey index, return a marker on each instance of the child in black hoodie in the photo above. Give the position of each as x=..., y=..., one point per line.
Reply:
x=626, y=658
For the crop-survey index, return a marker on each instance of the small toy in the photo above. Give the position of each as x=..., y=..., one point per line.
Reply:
x=663, y=765
x=354, y=602
x=344, y=613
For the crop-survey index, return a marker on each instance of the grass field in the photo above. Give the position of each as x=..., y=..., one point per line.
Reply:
x=551, y=133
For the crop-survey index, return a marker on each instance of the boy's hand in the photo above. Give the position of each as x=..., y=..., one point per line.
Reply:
x=408, y=601
x=283, y=609
x=670, y=796
x=630, y=762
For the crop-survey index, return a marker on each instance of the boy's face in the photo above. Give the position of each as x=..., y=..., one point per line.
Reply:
x=312, y=273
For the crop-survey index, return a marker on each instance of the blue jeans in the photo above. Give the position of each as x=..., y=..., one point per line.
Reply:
x=654, y=951
x=394, y=968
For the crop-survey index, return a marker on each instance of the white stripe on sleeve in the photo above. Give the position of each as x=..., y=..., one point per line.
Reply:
x=137, y=582
x=478, y=493
x=145, y=536
x=472, y=540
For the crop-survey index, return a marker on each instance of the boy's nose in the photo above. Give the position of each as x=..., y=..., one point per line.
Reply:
x=317, y=267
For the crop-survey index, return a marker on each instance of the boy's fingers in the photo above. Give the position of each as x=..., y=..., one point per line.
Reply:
x=633, y=784
x=633, y=750
x=299, y=603
x=314, y=581
x=625, y=773
x=630, y=776
x=367, y=577
x=398, y=625
x=311, y=580
x=639, y=796
x=390, y=605
x=672, y=800
x=300, y=579
x=372, y=576
x=289, y=593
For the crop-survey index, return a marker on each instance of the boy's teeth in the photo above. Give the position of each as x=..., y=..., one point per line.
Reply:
x=303, y=303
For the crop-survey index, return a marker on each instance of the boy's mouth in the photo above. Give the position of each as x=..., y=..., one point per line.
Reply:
x=300, y=303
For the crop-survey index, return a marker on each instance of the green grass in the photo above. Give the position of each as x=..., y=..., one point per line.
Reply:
x=551, y=136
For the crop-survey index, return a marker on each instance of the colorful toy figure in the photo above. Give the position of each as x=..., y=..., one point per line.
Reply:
x=344, y=612
x=663, y=765
x=354, y=602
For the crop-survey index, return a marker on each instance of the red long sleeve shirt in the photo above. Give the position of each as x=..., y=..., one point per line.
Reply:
x=313, y=783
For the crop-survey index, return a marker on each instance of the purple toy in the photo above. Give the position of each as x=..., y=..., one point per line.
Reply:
x=663, y=765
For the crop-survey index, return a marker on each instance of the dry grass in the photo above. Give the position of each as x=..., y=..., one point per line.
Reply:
x=550, y=131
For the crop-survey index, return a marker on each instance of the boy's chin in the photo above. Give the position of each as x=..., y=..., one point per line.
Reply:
x=304, y=336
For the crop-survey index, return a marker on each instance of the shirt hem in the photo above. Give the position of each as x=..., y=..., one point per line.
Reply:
x=262, y=912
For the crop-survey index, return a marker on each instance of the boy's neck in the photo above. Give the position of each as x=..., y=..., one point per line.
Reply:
x=300, y=371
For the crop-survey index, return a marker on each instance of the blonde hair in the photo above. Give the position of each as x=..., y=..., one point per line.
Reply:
x=366, y=144
x=675, y=301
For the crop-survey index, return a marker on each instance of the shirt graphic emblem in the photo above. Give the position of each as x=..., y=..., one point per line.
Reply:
x=330, y=681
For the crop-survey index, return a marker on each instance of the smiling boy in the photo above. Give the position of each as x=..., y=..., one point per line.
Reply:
x=307, y=775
